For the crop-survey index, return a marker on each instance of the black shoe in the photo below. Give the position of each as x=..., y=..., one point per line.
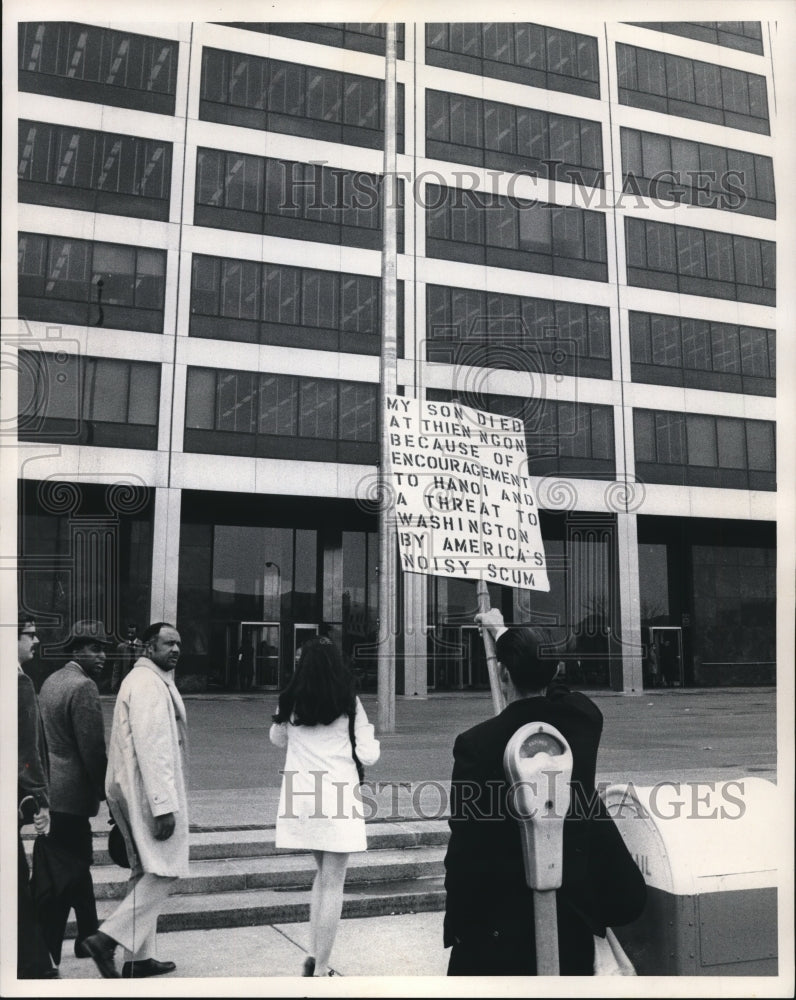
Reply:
x=146, y=967
x=309, y=966
x=80, y=948
x=101, y=948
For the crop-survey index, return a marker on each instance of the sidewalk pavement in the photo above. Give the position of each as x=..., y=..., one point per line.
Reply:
x=680, y=735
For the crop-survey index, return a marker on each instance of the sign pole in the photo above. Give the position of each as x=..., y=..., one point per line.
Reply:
x=498, y=701
x=388, y=581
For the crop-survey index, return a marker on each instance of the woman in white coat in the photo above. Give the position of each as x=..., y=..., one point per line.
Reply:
x=320, y=808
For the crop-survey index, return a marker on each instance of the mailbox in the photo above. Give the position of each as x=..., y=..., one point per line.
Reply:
x=708, y=852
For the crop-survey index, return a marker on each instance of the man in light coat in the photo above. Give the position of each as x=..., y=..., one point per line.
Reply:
x=72, y=716
x=146, y=791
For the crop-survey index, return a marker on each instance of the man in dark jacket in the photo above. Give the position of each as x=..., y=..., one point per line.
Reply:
x=489, y=919
x=72, y=714
x=33, y=791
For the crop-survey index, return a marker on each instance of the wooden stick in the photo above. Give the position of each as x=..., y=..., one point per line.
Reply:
x=498, y=702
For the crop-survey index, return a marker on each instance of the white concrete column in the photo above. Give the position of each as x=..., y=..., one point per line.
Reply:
x=165, y=555
x=415, y=644
x=629, y=602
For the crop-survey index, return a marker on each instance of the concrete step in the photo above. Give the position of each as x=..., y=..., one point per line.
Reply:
x=254, y=907
x=282, y=871
x=259, y=842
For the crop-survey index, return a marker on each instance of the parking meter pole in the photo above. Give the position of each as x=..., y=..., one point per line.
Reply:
x=537, y=762
x=498, y=702
x=545, y=927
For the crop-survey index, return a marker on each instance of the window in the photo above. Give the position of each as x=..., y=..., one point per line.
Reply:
x=254, y=92
x=302, y=201
x=509, y=232
x=362, y=37
x=692, y=89
x=532, y=54
x=91, y=284
x=696, y=173
x=674, y=350
x=100, y=65
x=702, y=450
x=468, y=327
x=281, y=416
x=504, y=137
x=104, y=402
x=700, y=262
x=292, y=306
x=744, y=35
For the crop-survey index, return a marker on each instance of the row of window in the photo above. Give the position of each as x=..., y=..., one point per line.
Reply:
x=700, y=262
x=694, y=449
x=359, y=36
x=532, y=54
x=697, y=353
x=109, y=402
x=658, y=81
x=509, y=232
x=744, y=35
x=94, y=171
x=101, y=65
x=505, y=137
x=253, y=92
x=304, y=201
x=293, y=306
x=466, y=327
x=90, y=283
x=696, y=173
x=84, y=400
x=281, y=416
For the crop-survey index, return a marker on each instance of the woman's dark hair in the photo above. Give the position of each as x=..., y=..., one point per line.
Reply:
x=321, y=689
x=524, y=653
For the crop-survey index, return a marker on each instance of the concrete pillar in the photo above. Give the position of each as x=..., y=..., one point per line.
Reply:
x=415, y=644
x=165, y=555
x=630, y=602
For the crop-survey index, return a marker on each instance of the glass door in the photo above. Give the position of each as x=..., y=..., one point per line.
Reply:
x=258, y=655
x=301, y=632
x=668, y=644
x=474, y=672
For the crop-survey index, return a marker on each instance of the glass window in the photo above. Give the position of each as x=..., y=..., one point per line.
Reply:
x=660, y=247
x=210, y=177
x=465, y=39
x=701, y=433
x=680, y=78
x=236, y=402
x=317, y=408
x=200, y=397
x=244, y=182
x=656, y=153
x=631, y=152
x=467, y=310
x=670, y=438
x=567, y=232
x=535, y=228
x=68, y=269
x=696, y=344
x=437, y=116
x=748, y=261
x=707, y=84
x=240, y=289
x=685, y=157
x=565, y=139
x=690, y=252
x=754, y=351
x=532, y=133
x=602, y=432
x=362, y=106
x=599, y=332
x=150, y=278
x=529, y=40
x=636, y=238
x=358, y=412
x=105, y=390
x=665, y=333
x=735, y=91
x=205, y=285
x=465, y=120
x=282, y=294
x=114, y=266
x=324, y=95
x=562, y=52
x=498, y=42
x=719, y=256
x=640, y=342
x=278, y=405
x=360, y=304
x=760, y=445
x=726, y=355
x=319, y=299
x=500, y=127
x=651, y=70
x=501, y=225
x=731, y=443
x=285, y=88
x=142, y=407
x=644, y=435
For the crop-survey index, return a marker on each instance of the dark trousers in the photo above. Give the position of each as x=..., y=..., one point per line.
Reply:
x=73, y=834
x=33, y=959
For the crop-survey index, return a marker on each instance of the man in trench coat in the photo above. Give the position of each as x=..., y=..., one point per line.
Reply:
x=146, y=791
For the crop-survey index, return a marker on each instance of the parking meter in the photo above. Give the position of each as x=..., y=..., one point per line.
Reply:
x=538, y=766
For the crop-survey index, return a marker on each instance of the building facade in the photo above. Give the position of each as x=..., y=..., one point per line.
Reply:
x=586, y=239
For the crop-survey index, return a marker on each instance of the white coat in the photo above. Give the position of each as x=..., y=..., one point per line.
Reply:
x=320, y=806
x=147, y=764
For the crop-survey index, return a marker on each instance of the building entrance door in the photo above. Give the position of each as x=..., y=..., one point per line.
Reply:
x=301, y=632
x=667, y=641
x=258, y=656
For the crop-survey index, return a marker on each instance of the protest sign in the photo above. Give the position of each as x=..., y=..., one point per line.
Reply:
x=463, y=502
